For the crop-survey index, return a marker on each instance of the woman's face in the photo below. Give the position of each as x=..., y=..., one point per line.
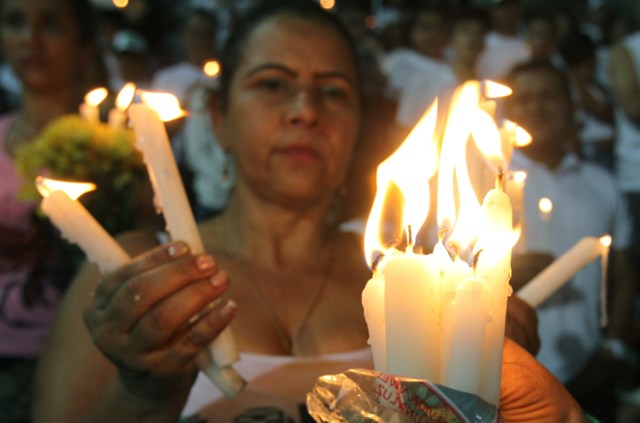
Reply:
x=40, y=40
x=292, y=114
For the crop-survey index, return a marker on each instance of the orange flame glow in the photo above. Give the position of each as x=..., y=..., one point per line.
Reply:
x=74, y=190
x=165, y=105
x=125, y=96
x=96, y=96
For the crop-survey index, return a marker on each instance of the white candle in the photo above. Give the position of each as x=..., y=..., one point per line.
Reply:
x=469, y=320
x=89, y=109
x=170, y=196
x=514, y=187
x=373, y=305
x=79, y=227
x=411, y=315
x=545, y=209
x=562, y=269
x=494, y=267
x=118, y=115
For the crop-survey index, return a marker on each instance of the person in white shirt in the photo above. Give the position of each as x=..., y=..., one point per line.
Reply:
x=585, y=203
x=416, y=76
x=504, y=44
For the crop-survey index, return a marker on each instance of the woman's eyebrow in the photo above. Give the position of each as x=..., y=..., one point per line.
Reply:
x=270, y=66
x=319, y=75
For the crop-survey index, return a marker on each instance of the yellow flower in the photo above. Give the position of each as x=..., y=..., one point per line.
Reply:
x=72, y=148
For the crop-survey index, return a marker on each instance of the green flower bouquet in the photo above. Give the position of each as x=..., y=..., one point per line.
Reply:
x=75, y=149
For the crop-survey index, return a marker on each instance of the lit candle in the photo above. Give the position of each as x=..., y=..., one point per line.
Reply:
x=562, y=269
x=514, y=187
x=444, y=318
x=411, y=315
x=170, y=197
x=89, y=109
x=77, y=225
x=118, y=115
x=545, y=208
x=373, y=305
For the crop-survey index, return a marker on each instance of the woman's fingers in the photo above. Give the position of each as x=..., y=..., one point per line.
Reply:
x=166, y=303
x=112, y=283
x=177, y=356
x=182, y=309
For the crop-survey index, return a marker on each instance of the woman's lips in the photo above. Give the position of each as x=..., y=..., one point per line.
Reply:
x=298, y=152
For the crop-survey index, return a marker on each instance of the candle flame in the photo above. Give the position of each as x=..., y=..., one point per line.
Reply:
x=211, y=68
x=125, y=96
x=606, y=241
x=165, y=105
x=493, y=89
x=327, y=4
x=519, y=176
x=74, y=190
x=461, y=217
x=545, y=206
x=413, y=181
x=94, y=97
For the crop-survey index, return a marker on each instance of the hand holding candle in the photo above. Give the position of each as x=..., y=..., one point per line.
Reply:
x=171, y=198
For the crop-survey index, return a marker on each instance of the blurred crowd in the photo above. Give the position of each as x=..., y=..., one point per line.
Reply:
x=411, y=52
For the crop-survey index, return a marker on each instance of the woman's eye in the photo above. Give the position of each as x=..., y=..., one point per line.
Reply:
x=273, y=84
x=14, y=21
x=334, y=91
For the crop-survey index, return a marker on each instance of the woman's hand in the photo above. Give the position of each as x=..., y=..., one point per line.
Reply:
x=529, y=393
x=152, y=317
x=522, y=324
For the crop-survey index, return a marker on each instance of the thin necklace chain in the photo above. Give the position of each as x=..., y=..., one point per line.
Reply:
x=289, y=342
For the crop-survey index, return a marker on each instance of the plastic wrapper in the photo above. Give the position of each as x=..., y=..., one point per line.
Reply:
x=366, y=396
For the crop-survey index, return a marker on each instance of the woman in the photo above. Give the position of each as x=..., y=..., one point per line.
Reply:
x=288, y=112
x=48, y=44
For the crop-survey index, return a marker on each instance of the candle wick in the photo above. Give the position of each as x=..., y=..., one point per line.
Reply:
x=377, y=260
x=410, y=240
x=476, y=257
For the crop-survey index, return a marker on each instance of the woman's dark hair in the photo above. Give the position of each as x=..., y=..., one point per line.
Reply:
x=85, y=15
x=232, y=51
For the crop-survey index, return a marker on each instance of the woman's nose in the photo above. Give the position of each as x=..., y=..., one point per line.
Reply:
x=304, y=108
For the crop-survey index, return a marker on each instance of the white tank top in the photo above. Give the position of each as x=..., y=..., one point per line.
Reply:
x=276, y=390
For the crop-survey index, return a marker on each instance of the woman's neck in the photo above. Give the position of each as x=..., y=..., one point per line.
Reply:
x=276, y=235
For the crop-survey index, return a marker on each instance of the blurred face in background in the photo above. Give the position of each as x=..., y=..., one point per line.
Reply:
x=41, y=41
x=429, y=34
x=467, y=39
x=541, y=104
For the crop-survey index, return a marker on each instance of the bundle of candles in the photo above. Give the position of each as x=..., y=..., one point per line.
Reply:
x=78, y=226
x=441, y=316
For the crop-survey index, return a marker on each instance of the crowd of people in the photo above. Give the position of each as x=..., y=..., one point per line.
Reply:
x=278, y=155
